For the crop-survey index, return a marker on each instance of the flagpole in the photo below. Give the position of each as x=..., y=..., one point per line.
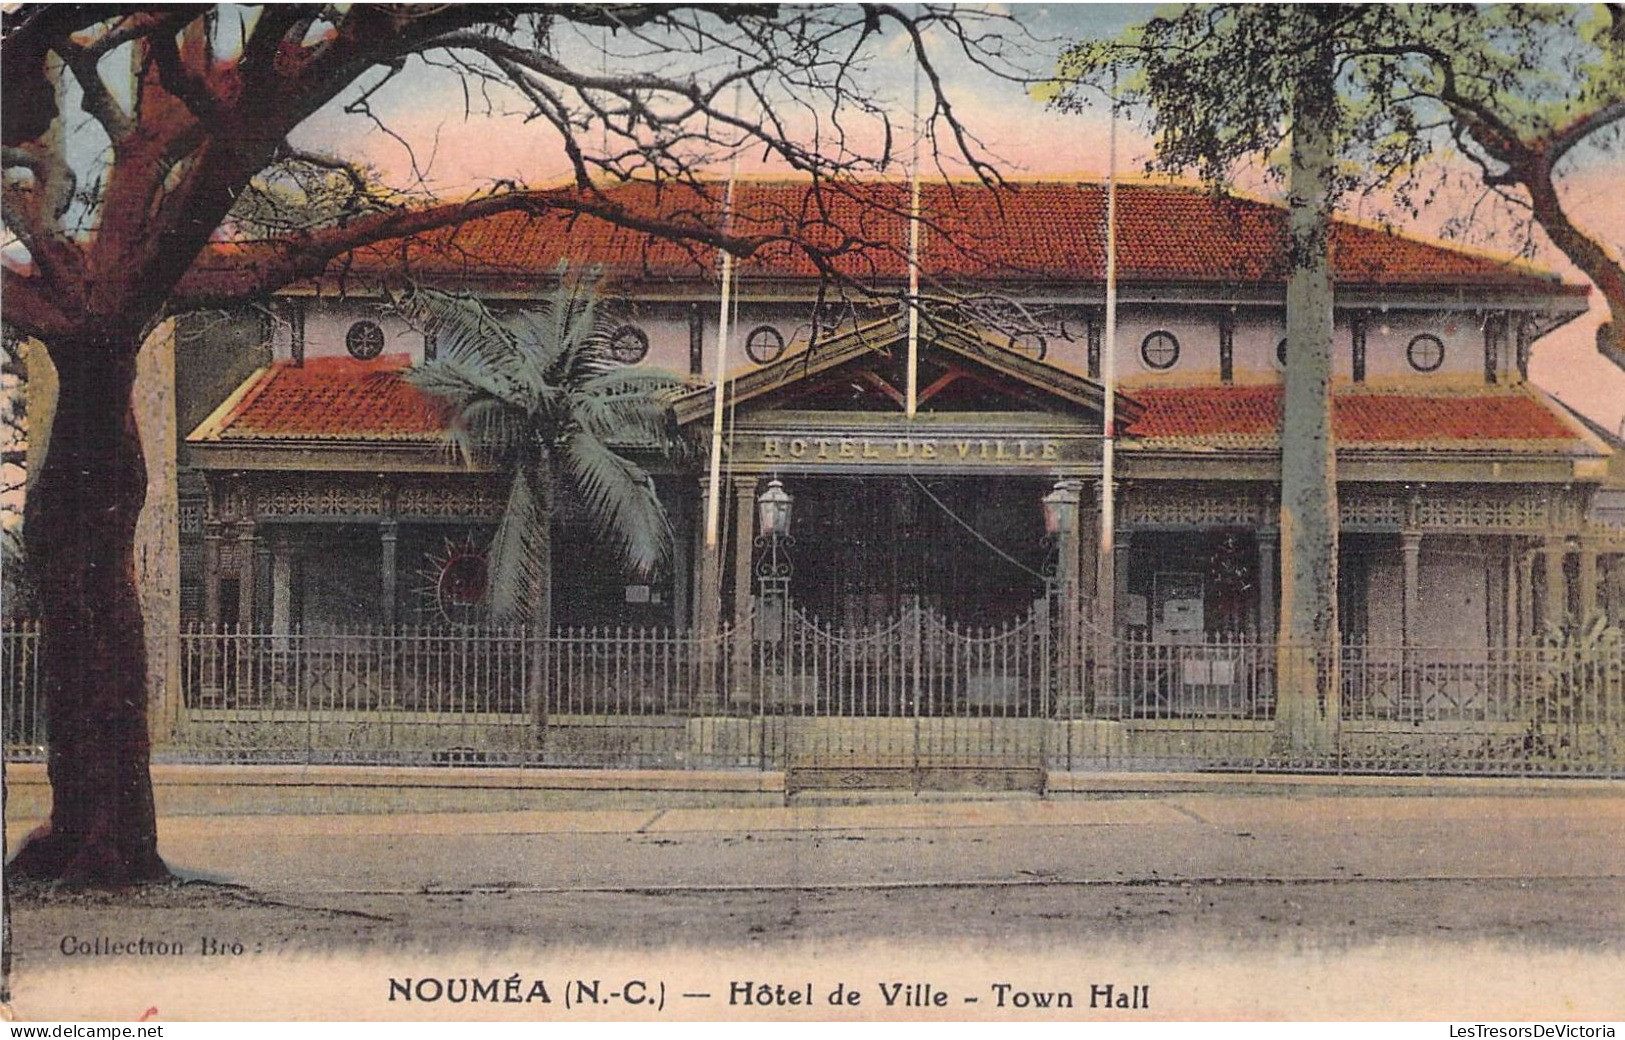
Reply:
x=913, y=397
x=713, y=495
x=1106, y=594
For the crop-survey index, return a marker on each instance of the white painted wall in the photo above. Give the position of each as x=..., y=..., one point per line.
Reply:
x=1256, y=335
x=327, y=322
x=1198, y=337
x=1388, y=336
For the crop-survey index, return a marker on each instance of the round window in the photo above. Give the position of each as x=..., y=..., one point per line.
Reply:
x=364, y=341
x=1425, y=353
x=629, y=344
x=1160, y=350
x=1030, y=344
x=1280, y=353
x=764, y=344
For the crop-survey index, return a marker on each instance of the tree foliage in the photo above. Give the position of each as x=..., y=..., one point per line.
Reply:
x=1522, y=92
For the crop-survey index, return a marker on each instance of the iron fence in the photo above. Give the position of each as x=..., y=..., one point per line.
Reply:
x=918, y=693
x=1215, y=704
x=21, y=705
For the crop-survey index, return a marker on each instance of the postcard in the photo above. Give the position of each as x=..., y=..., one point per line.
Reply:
x=1086, y=513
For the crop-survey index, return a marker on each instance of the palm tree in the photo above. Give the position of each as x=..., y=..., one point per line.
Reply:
x=536, y=395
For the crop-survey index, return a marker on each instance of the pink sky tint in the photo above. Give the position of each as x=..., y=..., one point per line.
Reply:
x=457, y=153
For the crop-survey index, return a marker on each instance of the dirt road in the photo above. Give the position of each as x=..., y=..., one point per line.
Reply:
x=1212, y=876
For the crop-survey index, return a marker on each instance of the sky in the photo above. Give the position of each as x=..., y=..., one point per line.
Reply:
x=462, y=141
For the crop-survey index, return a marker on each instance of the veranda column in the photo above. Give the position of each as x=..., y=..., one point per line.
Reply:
x=1070, y=657
x=1120, y=564
x=1614, y=597
x=1588, y=581
x=744, y=496
x=1095, y=572
x=707, y=576
x=245, y=574
x=1556, y=599
x=1269, y=540
x=1526, y=591
x=1088, y=551
x=281, y=591
x=1106, y=606
x=1269, y=602
x=1509, y=582
x=682, y=575
x=211, y=573
x=1410, y=543
x=1109, y=685
x=388, y=535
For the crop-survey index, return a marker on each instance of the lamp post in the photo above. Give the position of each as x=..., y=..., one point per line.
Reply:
x=773, y=510
x=1061, y=507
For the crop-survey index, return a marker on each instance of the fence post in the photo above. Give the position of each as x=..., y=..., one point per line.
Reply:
x=537, y=686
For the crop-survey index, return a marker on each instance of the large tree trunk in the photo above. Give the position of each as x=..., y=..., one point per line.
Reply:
x=1307, y=653
x=79, y=531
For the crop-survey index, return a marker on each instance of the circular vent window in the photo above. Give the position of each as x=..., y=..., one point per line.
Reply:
x=1030, y=344
x=629, y=345
x=364, y=341
x=1425, y=353
x=1280, y=353
x=764, y=344
x=1160, y=350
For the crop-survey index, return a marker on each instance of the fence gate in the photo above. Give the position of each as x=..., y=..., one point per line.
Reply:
x=917, y=702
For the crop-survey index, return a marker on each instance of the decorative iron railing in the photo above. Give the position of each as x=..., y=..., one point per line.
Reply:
x=920, y=687
x=21, y=703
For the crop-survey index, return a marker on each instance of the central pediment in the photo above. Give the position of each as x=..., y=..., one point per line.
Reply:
x=961, y=372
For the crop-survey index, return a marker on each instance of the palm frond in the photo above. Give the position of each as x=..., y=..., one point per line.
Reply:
x=628, y=420
x=623, y=379
x=496, y=431
x=463, y=372
x=620, y=498
x=468, y=335
x=518, y=563
x=445, y=380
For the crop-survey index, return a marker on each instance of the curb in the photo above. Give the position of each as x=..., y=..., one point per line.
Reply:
x=1059, y=784
x=201, y=790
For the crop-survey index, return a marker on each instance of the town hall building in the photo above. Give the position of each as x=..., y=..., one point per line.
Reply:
x=1477, y=511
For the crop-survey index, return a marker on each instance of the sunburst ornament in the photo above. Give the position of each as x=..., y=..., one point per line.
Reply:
x=458, y=581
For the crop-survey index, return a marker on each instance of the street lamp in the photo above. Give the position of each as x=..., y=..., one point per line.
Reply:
x=1061, y=509
x=773, y=510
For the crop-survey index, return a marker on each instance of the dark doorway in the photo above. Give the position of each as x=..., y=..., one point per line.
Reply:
x=971, y=549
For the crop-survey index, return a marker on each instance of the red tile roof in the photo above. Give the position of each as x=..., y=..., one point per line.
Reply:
x=328, y=399
x=1250, y=417
x=339, y=399
x=1045, y=231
